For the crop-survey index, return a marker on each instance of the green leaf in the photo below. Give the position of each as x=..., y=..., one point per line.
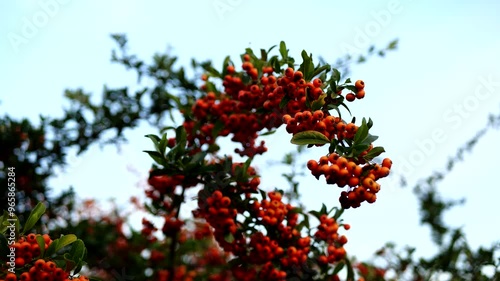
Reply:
x=316, y=214
x=333, y=145
x=361, y=133
x=318, y=70
x=64, y=241
x=335, y=75
x=370, y=123
x=309, y=137
x=350, y=87
x=307, y=66
x=347, y=108
x=34, y=216
x=77, y=251
x=283, y=50
x=268, y=133
x=284, y=101
x=350, y=271
x=323, y=209
x=41, y=244
x=270, y=49
x=393, y=44
x=162, y=146
x=338, y=268
x=180, y=135
x=155, y=139
x=157, y=157
x=369, y=139
x=52, y=248
x=318, y=104
x=376, y=151
x=338, y=213
x=225, y=64
x=263, y=55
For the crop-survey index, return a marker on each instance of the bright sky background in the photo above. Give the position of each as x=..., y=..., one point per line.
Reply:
x=447, y=50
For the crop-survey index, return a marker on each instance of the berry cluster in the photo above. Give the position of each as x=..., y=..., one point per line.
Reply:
x=327, y=231
x=361, y=179
x=331, y=127
x=244, y=109
x=27, y=248
x=221, y=215
x=27, y=256
x=360, y=85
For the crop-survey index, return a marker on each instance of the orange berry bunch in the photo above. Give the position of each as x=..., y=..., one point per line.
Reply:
x=361, y=179
x=221, y=215
x=272, y=212
x=368, y=186
x=27, y=253
x=360, y=93
x=27, y=248
x=331, y=127
x=327, y=231
x=263, y=249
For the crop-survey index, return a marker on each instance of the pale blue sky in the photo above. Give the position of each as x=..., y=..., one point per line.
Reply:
x=446, y=52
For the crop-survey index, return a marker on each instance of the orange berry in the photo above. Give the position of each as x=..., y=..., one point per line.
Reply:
x=312, y=164
x=25, y=246
x=20, y=262
x=25, y=277
x=298, y=75
x=47, y=239
x=342, y=162
x=383, y=172
x=39, y=264
x=322, y=259
x=334, y=170
x=352, y=182
x=343, y=240
x=274, y=195
x=387, y=163
x=289, y=72
x=246, y=57
x=317, y=82
x=49, y=266
x=10, y=277
x=31, y=238
x=324, y=169
x=217, y=195
x=359, y=84
x=333, y=158
x=323, y=160
x=350, y=97
x=225, y=201
x=360, y=94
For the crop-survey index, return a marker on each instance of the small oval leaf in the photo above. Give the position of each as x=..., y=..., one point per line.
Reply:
x=309, y=137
